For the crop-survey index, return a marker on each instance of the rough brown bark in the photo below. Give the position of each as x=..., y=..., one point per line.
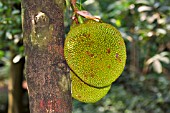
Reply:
x=47, y=74
x=15, y=91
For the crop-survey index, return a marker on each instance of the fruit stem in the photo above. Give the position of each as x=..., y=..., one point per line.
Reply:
x=78, y=13
x=78, y=19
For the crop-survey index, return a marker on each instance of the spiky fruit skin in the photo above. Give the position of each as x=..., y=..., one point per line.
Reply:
x=85, y=93
x=95, y=52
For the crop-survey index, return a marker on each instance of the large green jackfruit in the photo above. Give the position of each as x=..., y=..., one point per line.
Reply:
x=85, y=93
x=96, y=52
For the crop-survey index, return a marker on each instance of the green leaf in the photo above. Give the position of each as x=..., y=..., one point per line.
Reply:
x=2, y=53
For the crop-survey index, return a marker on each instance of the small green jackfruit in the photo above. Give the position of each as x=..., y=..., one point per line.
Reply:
x=96, y=52
x=85, y=93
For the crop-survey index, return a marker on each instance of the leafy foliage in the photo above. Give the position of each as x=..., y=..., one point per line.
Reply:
x=10, y=43
x=10, y=29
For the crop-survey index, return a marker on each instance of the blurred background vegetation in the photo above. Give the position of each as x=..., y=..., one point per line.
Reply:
x=143, y=87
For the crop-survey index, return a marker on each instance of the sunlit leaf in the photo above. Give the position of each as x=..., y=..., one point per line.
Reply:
x=14, y=12
x=144, y=8
x=149, y=61
x=17, y=58
x=164, y=53
x=8, y=35
x=161, y=31
x=146, y=2
x=118, y=23
x=88, y=2
x=165, y=60
x=157, y=66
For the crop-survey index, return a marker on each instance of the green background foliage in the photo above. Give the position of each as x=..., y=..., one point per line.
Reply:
x=144, y=86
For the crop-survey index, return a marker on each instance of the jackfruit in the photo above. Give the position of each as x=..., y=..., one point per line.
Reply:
x=96, y=52
x=85, y=93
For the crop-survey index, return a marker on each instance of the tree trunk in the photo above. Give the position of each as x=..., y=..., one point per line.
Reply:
x=47, y=73
x=15, y=87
